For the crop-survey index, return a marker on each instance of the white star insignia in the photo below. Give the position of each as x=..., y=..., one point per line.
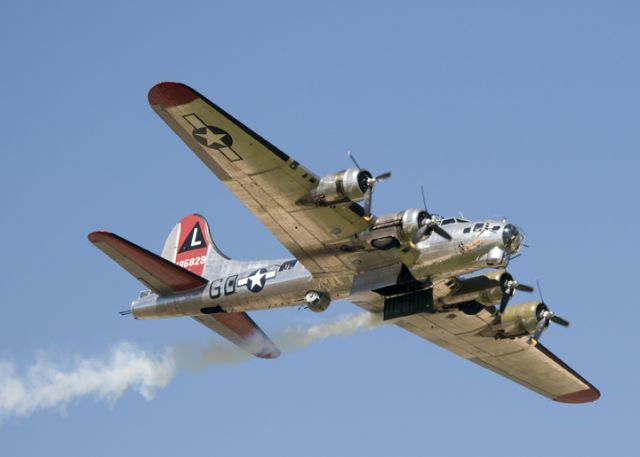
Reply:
x=256, y=279
x=212, y=138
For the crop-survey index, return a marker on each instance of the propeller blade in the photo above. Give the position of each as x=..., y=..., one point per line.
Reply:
x=524, y=288
x=383, y=176
x=560, y=321
x=419, y=234
x=424, y=202
x=539, y=329
x=504, y=301
x=442, y=232
x=539, y=290
x=367, y=201
x=353, y=159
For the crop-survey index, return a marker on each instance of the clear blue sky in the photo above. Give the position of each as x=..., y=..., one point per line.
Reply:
x=529, y=110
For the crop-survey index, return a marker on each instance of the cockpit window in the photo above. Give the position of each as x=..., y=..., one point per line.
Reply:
x=478, y=226
x=467, y=230
x=495, y=228
x=448, y=221
x=458, y=219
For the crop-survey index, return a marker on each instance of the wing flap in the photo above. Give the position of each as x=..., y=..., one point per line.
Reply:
x=160, y=275
x=242, y=331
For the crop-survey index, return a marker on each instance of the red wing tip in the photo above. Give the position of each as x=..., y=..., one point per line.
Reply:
x=99, y=235
x=272, y=353
x=582, y=396
x=168, y=94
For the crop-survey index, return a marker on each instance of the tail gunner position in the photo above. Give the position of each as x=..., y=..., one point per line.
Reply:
x=416, y=269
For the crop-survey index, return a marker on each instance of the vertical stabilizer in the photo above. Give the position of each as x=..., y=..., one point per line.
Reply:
x=190, y=244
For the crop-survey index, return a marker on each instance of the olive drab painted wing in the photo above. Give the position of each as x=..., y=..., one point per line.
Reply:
x=269, y=183
x=531, y=365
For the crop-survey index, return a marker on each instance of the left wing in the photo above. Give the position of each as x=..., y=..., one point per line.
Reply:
x=533, y=366
x=269, y=183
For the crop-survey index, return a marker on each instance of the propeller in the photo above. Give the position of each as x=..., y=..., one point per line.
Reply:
x=369, y=182
x=429, y=224
x=546, y=316
x=509, y=287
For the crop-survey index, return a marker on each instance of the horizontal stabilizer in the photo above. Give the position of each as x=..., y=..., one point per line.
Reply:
x=158, y=274
x=240, y=329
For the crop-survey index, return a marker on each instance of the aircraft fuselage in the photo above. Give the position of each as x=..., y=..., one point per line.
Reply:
x=271, y=284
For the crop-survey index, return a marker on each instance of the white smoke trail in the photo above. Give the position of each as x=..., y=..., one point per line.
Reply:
x=47, y=386
x=296, y=338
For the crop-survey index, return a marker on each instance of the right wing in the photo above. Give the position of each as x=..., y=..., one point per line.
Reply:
x=533, y=366
x=269, y=183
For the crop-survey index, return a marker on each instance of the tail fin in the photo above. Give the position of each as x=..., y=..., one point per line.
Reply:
x=190, y=244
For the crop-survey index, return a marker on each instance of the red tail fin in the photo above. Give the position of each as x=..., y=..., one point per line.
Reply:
x=189, y=243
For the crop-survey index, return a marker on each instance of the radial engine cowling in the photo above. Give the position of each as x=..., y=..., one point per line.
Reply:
x=341, y=188
x=486, y=289
x=520, y=319
x=393, y=230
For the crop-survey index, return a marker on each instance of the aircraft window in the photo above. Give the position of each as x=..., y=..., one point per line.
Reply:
x=467, y=230
x=478, y=226
x=461, y=220
x=448, y=221
x=495, y=228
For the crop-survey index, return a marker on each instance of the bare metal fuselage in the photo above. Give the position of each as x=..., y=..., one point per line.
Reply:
x=236, y=286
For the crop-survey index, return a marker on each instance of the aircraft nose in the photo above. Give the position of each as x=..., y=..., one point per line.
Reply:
x=511, y=238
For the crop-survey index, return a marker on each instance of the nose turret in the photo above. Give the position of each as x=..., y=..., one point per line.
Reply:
x=511, y=238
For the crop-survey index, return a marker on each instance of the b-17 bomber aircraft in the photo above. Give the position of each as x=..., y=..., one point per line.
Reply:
x=413, y=268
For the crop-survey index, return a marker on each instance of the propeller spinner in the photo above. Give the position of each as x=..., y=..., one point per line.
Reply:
x=509, y=287
x=369, y=182
x=545, y=316
x=429, y=224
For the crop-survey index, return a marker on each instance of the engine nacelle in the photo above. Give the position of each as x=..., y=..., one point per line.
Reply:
x=341, y=188
x=520, y=319
x=317, y=301
x=486, y=289
x=393, y=230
